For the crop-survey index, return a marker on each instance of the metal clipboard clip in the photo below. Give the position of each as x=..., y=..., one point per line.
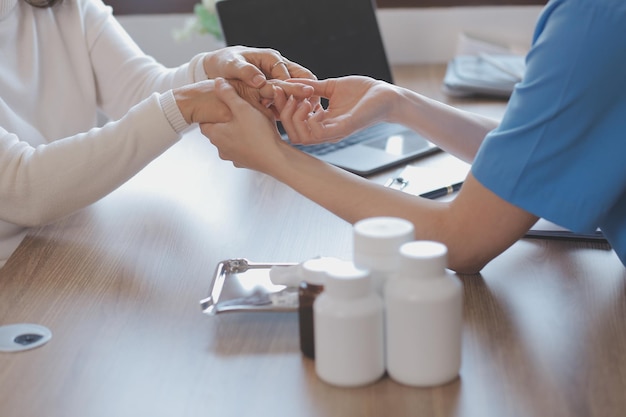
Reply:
x=397, y=183
x=241, y=285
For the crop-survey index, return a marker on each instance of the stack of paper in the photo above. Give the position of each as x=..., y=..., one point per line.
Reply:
x=483, y=68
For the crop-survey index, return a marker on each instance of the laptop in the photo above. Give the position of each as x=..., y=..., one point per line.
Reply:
x=332, y=38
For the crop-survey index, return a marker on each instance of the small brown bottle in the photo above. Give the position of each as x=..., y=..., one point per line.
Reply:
x=312, y=284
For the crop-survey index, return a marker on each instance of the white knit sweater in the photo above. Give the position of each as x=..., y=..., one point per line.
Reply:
x=58, y=67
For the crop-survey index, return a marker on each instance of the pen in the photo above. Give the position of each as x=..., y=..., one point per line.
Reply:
x=443, y=191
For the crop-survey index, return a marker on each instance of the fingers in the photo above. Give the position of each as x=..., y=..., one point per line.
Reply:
x=250, y=74
x=286, y=115
x=306, y=123
x=294, y=116
x=323, y=88
x=283, y=69
x=279, y=69
x=256, y=74
x=280, y=99
x=260, y=65
x=298, y=90
x=253, y=66
x=228, y=94
x=300, y=120
x=298, y=71
x=260, y=98
x=273, y=65
x=235, y=96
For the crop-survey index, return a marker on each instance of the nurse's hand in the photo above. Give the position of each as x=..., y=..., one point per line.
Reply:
x=354, y=103
x=248, y=139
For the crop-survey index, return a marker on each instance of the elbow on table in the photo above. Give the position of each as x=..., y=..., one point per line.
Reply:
x=467, y=261
x=30, y=221
x=28, y=215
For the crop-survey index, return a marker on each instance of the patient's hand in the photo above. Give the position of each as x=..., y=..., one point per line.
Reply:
x=199, y=103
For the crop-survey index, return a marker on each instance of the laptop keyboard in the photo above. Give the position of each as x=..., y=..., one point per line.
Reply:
x=373, y=132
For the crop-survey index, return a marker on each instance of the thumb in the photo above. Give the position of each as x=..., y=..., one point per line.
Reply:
x=237, y=104
x=250, y=75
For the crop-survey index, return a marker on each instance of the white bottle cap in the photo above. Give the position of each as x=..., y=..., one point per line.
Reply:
x=423, y=258
x=345, y=280
x=378, y=239
x=314, y=270
x=289, y=275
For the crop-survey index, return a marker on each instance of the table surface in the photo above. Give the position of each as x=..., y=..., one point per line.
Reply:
x=119, y=285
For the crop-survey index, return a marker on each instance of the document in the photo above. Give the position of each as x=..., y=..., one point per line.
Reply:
x=418, y=180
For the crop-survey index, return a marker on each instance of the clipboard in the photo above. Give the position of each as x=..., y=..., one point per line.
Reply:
x=426, y=182
x=421, y=181
x=545, y=229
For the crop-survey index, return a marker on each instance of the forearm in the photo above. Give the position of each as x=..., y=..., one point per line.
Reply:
x=476, y=226
x=347, y=195
x=456, y=131
x=354, y=198
x=42, y=184
x=124, y=75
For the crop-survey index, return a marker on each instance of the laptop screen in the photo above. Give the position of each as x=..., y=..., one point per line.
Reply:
x=332, y=38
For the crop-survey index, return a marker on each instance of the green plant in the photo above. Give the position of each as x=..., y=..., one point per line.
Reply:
x=204, y=21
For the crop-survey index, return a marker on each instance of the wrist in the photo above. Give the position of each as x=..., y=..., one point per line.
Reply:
x=197, y=101
x=184, y=102
x=199, y=67
x=394, y=97
x=208, y=64
x=291, y=166
x=172, y=112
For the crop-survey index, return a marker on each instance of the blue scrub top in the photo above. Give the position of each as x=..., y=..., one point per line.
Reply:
x=560, y=150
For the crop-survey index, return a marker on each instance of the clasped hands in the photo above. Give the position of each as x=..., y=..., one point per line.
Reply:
x=250, y=138
x=355, y=102
x=250, y=88
x=253, y=72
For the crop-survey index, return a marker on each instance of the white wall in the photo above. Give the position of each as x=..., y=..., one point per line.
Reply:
x=430, y=35
x=410, y=35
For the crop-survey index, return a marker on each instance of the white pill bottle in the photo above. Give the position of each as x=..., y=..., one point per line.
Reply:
x=423, y=317
x=348, y=326
x=377, y=241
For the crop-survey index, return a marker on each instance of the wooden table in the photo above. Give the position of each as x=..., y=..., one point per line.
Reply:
x=119, y=285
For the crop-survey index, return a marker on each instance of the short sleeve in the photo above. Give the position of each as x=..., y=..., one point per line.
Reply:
x=559, y=150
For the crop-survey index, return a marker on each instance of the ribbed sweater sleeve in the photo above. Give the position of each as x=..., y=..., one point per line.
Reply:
x=34, y=191
x=60, y=67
